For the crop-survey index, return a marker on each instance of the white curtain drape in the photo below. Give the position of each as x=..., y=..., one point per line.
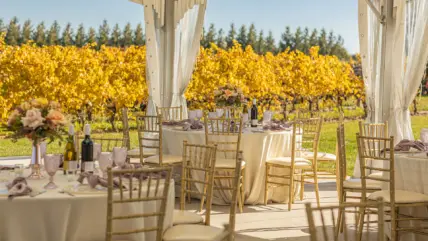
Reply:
x=370, y=34
x=410, y=55
x=187, y=43
x=173, y=29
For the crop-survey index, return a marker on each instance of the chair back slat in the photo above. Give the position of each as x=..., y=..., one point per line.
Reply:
x=376, y=150
x=307, y=134
x=198, y=161
x=143, y=177
x=226, y=134
x=321, y=230
x=150, y=135
x=170, y=113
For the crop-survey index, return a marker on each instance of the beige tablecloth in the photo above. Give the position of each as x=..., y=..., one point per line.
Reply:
x=256, y=147
x=54, y=216
x=411, y=174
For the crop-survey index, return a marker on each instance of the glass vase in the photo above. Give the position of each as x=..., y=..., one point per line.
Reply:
x=35, y=162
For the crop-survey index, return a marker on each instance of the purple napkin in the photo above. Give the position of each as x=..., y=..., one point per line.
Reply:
x=274, y=127
x=405, y=145
x=18, y=187
x=175, y=123
x=193, y=125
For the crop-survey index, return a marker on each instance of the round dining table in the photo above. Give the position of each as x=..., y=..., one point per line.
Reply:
x=79, y=214
x=257, y=146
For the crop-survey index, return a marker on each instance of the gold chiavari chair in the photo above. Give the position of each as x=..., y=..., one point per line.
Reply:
x=347, y=187
x=231, y=112
x=197, y=170
x=226, y=134
x=305, y=138
x=170, y=113
x=394, y=198
x=198, y=232
x=307, y=114
x=374, y=130
x=150, y=142
x=152, y=186
x=322, y=225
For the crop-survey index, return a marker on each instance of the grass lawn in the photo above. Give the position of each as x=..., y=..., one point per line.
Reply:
x=327, y=142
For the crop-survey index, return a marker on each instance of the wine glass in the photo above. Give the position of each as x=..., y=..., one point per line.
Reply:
x=51, y=166
x=245, y=119
x=220, y=113
x=19, y=170
x=97, y=150
x=105, y=161
x=119, y=155
x=212, y=115
x=72, y=170
x=199, y=114
x=267, y=118
x=192, y=115
x=424, y=135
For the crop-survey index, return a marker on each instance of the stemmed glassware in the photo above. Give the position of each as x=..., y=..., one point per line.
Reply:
x=105, y=160
x=119, y=155
x=51, y=166
x=72, y=170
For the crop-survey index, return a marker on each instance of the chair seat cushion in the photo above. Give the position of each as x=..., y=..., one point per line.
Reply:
x=194, y=232
x=356, y=184
x=227, y=163
x=166, y=159
x=185, y=217
x=401, y=196
x=321, y=156
x=298, y=161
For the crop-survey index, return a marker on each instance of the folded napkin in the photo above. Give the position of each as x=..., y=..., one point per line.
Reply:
x=18, y=187
x=275, y=127
x=193, y=125
x=6, y=168
x=406, y=145
x=175, y=123
x=282, y=123
x=94, y=180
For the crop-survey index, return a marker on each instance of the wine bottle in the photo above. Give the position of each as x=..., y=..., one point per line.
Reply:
x=87, y=151
x=70, y=150
x=254, y=119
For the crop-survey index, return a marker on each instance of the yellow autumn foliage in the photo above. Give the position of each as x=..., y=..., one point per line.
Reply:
x=75, y=76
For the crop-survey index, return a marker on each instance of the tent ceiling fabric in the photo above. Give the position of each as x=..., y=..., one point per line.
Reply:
x=180, y=8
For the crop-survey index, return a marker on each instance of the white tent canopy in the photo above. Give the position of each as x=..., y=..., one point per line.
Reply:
x=173, y=30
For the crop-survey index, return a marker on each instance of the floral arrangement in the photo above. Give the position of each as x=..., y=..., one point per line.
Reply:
x=37, y=120
x=229, y=96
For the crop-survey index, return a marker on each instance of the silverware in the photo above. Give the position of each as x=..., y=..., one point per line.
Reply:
x=33, y=194
x=66, y=192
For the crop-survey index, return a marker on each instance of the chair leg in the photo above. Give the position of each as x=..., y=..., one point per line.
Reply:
x=317, y=191
x=266, y=183
x=344, y=201
x=243, y=186
x=240, y=200
x=394, y=224
x=302, y=185
x=291, y=190
x=361, y=215
x=204, y=193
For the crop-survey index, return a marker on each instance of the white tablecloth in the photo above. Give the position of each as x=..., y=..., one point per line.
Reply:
x=256, y=147
x=53, y=216
x=411, y=174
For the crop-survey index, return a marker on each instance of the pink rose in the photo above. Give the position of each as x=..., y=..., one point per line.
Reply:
x=33, y=119
x=56, y=117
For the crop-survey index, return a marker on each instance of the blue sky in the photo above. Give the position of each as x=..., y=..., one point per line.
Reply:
x=337, y=15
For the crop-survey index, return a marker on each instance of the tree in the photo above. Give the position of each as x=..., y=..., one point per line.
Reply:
x=306, y=46
x=270, y=43
x=322, y=42
x=103, y=33
x=52, y=37
x=2, y=26
x=127, y=36
x=298, y=40
x=210, y=37
x=26, y=32
x=231, y=35
x=313, y=40
x=67, y=36
x=92, y=36
x=39, y=36
x=139, y=36
x=12, y=34
x=331, y=42
x=286, y=40
x=252, y=36
x=261, y=44
x=115, y=36
x=80, y=39
x=221, y=41
x=242, y=36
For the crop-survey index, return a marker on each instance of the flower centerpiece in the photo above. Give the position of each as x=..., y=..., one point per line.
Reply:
x=229, y=96
x=37, y=120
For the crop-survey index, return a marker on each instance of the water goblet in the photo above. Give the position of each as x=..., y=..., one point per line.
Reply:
x=119, y=155
x=212, y=115
x=51, y=166
x=97, y=150
x=105, y=162
x=424, y=135
x=19, y=170
x=192, y=115
x=267, y=118
x=220, y=113
x=199, y=114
